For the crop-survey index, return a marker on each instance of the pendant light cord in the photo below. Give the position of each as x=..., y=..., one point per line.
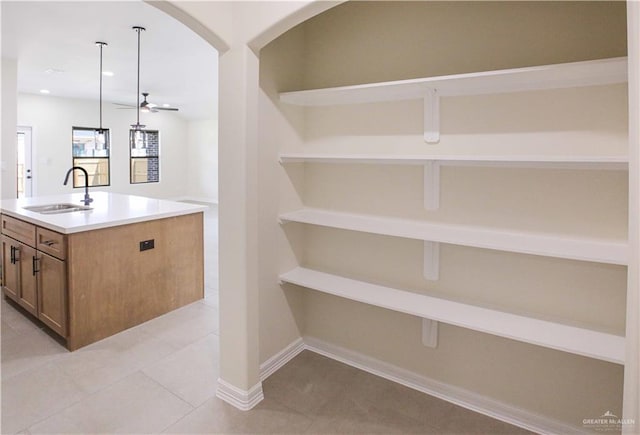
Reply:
x=101, y=44
x=138, y=29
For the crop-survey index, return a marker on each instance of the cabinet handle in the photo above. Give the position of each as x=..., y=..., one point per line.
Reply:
x=49, y=242
x=13, y=255
x=34, y=265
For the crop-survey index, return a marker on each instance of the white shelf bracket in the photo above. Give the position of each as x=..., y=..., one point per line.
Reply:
x=432, y=260
x=432, y=116
x=432, y=185
x=430, y=333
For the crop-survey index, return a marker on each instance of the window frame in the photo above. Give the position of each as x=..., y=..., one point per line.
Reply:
x=107, y=157
x=132, y=158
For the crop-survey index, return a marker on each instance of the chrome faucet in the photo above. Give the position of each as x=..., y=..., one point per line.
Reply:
x=87, y=198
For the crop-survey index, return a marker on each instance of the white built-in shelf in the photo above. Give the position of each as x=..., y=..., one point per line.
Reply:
x=617, y=162
x=581, y=341
x=564, y=75
x=600, y=250
x=430, y=89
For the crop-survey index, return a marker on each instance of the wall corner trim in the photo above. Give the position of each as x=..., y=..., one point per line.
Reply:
x=450, y=393
x=244, y=400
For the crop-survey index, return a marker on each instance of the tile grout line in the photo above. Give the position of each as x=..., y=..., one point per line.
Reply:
x=89, y=394
x=193, y=408
x=150, y=365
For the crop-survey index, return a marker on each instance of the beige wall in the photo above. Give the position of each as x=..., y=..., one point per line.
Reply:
x=377, y=41
x=280, y=309
x=202, y=164
x=632, y=367
x=557, y=122
x=9, y=114
x=363, y=42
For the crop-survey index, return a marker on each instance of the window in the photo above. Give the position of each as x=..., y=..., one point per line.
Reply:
x=145, y=158
x=91, y=152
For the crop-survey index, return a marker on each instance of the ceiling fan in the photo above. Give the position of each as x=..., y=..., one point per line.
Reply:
x=146, y=106
x=153, y=107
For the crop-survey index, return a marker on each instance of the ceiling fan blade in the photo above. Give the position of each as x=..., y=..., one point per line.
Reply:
x=126, y=105
x=126, y=108
x=153, y=108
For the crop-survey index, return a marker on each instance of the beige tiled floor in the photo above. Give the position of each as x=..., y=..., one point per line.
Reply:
x=161, y=377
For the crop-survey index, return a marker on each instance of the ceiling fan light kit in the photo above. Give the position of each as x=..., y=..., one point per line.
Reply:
x=147, y=107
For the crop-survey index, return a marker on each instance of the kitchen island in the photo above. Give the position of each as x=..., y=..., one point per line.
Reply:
x=88, y=274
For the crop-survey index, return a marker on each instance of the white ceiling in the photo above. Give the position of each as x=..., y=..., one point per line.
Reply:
x=177, y=66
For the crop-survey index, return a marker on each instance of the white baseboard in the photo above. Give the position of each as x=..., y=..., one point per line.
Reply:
x=456, y=395
x=241, y=399
x=274, y=363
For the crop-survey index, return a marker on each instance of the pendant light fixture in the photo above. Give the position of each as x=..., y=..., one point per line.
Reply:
x=100, y=136
x=137, y=126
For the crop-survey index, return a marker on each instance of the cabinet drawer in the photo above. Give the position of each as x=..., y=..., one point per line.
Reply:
x=52, y=243
x=19, y=230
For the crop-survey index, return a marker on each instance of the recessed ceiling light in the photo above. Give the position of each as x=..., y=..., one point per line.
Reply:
x=44, y=91
x=107, y=73
x=166, y=105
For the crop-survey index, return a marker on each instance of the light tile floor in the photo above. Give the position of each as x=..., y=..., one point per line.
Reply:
x=161, y=377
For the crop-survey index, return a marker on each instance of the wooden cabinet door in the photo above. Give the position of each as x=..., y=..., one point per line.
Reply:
x=10, y=269
x=28, y=289
x=52, y=291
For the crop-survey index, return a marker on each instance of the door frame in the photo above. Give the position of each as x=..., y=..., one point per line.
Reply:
x=29, y=186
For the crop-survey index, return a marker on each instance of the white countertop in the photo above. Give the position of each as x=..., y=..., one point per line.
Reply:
x=107, y=210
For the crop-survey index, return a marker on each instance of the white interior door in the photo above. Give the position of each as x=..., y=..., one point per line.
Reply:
x=24, y=169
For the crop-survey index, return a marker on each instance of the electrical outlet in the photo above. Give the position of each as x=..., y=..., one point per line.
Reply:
x=147, y=244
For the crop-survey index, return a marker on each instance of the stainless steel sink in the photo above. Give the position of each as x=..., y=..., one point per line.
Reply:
x=56, y=208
